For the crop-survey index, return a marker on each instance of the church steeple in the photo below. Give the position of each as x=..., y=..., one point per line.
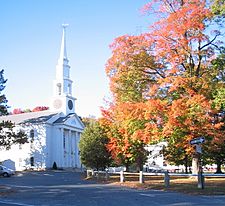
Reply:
x=62, y=86
x=63, y=53
x=63, y=68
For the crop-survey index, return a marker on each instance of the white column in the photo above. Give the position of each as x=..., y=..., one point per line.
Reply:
x=65, y=156
x=69, y=149
x=59, y=148
x=75, y=149
x=73, y=137
x=77, y=153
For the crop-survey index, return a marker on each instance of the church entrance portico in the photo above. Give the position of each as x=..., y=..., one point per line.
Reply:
x=69, y=148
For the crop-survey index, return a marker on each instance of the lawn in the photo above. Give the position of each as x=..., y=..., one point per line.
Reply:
x=213, y=185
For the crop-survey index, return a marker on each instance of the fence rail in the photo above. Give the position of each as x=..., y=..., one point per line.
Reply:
x=155, y=174
x=166, y=175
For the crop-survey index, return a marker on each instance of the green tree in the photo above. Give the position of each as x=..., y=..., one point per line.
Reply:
x=3, y=100
x=93, y=151
x=218, y=8
x=176, y=155
x=215, y=150
x=8, y=136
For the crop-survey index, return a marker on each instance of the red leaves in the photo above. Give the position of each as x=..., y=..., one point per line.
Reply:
x=36, y=109
x=180, y=27
x=40, y=108
x=17, y=111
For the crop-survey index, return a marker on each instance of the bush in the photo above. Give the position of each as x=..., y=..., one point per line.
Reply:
x=54, y=167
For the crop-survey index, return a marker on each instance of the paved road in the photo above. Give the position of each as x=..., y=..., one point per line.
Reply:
x=67, y=188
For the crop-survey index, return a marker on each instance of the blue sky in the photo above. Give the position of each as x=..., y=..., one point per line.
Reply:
x=30, y=45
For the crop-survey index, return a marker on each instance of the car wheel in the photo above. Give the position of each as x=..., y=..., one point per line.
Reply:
x=5, y=174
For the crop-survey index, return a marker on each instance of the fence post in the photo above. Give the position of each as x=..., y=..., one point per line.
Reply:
x=201, y=180
x=121, y=176
x=89, y=173
x=107, y=175
x=166, y=179
x=141, y=177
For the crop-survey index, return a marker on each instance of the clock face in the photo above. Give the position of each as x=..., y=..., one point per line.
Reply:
x=70, y=104
x=57, y=104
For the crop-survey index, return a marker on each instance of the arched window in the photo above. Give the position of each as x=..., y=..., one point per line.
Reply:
x=32, y=136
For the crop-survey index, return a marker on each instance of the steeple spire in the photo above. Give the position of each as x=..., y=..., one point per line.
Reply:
x=63, y=68
x=63, y=53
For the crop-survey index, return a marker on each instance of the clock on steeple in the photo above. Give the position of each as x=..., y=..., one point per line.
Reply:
x=62, y=85
x=70, y=104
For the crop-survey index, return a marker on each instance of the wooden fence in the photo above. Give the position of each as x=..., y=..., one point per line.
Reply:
x=166, y=175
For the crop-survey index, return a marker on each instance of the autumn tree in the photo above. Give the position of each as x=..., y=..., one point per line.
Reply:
x=40, y=108
x=125, y=147
x=36, y=109
x=170, y=66
x=132, y=71
x=17, y=111
x=181, y=37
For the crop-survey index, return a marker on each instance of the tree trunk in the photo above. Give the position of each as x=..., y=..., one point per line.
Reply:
x=195, y=164
x=140, y=165
x=127, y=167
x=218, y=168
x=186, y=164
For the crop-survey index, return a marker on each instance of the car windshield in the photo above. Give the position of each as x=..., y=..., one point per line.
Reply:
x=3, y=168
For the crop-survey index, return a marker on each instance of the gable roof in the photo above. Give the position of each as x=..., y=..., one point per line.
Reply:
x=63, y=119
x=74, y=116
x=46, y=116
x=29, y=117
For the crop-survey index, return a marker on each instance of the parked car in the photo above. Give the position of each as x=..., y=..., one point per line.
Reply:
x=6, y=172
x=155, y=169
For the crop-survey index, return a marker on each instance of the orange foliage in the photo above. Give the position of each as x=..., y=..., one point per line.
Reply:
x=170, y=57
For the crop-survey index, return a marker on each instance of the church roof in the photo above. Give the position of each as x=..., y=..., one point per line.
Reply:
x=63, y=119
x=29, y=117
x=41, y=117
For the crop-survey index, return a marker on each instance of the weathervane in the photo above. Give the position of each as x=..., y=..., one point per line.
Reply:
x=65, y=25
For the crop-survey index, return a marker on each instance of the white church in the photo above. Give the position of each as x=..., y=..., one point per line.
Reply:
x=53, y=134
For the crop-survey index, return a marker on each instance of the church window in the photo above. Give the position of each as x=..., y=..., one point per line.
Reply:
x=32, y=139
x=32, y=136
x=59, y=87
x=69, y=89
x=20, y=146
x=20, y=162
x=32, y=161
